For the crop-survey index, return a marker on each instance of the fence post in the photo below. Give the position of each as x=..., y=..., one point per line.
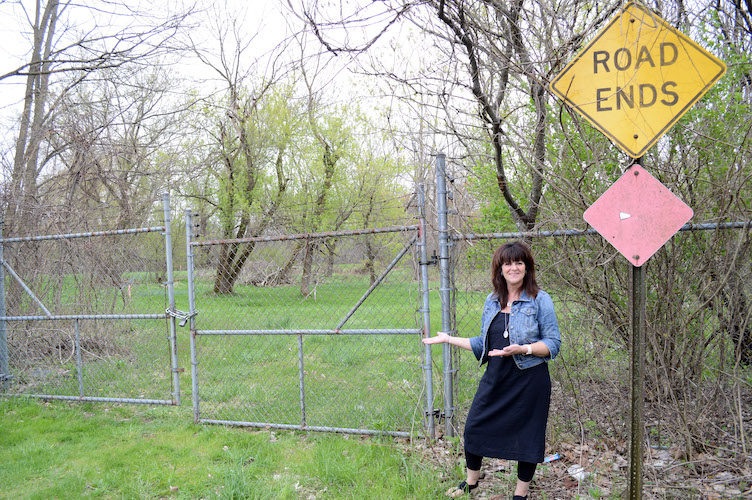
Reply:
x=171, y=299
x=4, y=364
x=79, y=361
x=445, y=290
x=192, y=314
x=426, y=308
x=301, y=382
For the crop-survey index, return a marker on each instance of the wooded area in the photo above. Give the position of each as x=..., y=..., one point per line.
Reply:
x=331, y=126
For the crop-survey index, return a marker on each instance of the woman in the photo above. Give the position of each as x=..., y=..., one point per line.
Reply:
x=519, y=334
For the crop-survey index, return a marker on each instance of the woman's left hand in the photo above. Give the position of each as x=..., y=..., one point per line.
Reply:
x=508, y=350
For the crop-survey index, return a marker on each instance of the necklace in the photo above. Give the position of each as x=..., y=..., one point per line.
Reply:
x=506, y=326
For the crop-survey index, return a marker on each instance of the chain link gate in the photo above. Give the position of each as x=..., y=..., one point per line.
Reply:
x=82, y=316
x=314, y=332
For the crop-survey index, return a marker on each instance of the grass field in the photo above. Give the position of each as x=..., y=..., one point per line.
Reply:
x=64, y=450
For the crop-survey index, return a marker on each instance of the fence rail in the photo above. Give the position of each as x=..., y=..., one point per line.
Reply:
x=99, y=338
x=306, y=236
x=335, y=332
x=91, y=234
x=706, y=226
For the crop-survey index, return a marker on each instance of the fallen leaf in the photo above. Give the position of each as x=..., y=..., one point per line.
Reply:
x=570, y=483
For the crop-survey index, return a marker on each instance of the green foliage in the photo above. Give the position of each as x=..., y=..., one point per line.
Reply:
x=238, y=155
x=494, y=216
x=281, y=142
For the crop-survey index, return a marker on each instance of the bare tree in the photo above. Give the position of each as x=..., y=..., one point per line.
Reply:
x=331, y=145
x=64, y=55
x=115, y=140
x=251, y=130
x=500, y=55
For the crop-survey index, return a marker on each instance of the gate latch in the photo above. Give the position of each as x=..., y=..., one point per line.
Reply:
x=432, y=260
x=436, y=413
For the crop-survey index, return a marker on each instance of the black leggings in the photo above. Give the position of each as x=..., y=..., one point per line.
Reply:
x=525, y=470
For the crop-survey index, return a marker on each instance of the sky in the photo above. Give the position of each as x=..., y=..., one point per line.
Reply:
x=259, y=16
x=263, y=18
x=12, y=50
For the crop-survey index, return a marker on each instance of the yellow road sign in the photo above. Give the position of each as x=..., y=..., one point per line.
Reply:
x=636, y=78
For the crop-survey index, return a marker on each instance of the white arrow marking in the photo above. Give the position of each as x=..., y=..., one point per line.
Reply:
x=623, y=215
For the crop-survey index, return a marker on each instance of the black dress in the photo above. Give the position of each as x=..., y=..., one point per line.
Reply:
x=509, y=412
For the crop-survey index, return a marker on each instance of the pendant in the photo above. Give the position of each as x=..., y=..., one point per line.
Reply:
x=506, y=334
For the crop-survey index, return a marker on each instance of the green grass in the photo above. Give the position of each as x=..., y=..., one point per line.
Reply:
x=61, y=450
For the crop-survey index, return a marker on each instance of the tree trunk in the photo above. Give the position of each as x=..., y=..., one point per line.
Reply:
x=305, y=280
x=370, y=261
x=330, y=160
x=23, y=190
x=284, y=273
x=331, y=247
x=232, y=261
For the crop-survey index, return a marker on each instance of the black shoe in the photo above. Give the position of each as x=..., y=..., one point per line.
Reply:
x=463, y=487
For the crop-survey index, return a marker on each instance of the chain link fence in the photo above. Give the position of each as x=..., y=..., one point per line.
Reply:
x=82, y=316
x=313, y=331
x=322, y=331
x=698, y=384
x=698, y=347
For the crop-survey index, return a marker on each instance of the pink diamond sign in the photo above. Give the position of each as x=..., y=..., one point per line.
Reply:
x=637, y=215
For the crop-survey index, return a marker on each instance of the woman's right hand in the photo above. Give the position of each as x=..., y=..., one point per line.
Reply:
x=440, y=338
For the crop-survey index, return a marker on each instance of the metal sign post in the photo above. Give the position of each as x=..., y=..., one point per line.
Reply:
x=637, y=215
x=637, y=379
x=633, y=82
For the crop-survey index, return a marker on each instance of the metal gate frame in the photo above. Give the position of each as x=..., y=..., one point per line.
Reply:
x=418, y=240
x=169, y=314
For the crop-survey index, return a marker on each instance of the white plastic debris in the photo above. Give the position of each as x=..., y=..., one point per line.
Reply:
x=577, y=472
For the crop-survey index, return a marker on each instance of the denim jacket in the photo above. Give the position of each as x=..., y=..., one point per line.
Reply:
x=531, y=320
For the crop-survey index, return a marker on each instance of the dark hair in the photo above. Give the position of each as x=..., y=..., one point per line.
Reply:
x=512, y=252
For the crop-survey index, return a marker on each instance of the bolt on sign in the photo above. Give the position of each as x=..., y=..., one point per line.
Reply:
x=636, y=78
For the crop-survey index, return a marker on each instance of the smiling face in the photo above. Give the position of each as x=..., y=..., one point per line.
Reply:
x=513, y=270
x=514, y=273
